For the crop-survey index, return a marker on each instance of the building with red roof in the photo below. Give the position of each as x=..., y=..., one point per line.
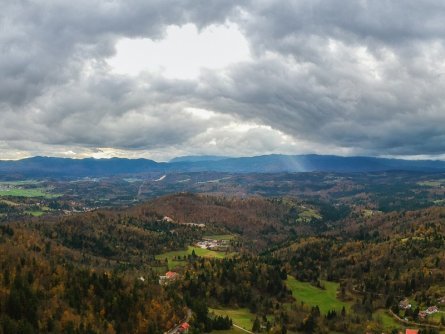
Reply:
x=412, y=331
x=169, y=276
x=184, y=327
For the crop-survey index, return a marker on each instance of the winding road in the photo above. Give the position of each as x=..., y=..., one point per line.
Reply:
x=186, y=319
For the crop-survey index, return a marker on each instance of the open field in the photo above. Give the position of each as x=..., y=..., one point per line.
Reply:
x=326, y=299
x=308, y=215
x=435, y=318
x=241, y=317
x=388, y=322
x=35, y=213
x=31, y=192
x=172, y=256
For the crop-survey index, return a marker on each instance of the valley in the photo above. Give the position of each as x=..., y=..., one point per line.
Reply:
x=275, y=253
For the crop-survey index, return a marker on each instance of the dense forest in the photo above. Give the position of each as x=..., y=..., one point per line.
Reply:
x=99, y=271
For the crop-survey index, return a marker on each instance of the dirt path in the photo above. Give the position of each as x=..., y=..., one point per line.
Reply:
x=242, y=329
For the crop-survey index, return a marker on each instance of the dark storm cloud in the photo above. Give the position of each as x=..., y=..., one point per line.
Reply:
x=364, y=76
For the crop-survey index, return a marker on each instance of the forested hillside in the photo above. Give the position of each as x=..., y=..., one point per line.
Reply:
x=284, y=264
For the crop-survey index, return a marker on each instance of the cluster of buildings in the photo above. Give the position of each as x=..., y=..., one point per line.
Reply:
x=405, y=305
x=217, y=245
x=430, y=310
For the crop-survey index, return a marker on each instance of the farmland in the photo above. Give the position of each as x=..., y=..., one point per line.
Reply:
x=30, y=188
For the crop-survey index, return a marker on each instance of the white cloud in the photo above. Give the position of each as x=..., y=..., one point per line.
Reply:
x=182, y=52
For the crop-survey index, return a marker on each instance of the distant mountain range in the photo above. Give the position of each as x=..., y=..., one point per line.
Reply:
x=196, y=158
x=63, y=167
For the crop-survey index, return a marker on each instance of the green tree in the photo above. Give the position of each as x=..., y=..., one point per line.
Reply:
x=256, y=325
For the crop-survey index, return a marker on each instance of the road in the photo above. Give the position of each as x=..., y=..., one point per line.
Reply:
x=410, y=323
x=243, y=329
x=186, y=319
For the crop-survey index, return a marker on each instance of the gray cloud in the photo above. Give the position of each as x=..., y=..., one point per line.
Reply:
x=363, y=77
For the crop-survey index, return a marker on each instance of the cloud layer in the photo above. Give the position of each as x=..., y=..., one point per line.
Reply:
x=366, y=77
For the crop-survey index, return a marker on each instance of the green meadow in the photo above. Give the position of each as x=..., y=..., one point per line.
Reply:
x=27, y=192
x=35, y=213
x=308, y=215
x=241, y=317
x=387, y=321
x=172, y=256
x=326, y=298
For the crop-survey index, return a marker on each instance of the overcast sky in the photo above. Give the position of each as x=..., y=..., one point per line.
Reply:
x=164, y=78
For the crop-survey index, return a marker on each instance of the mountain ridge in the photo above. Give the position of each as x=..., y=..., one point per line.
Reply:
x=40, y=166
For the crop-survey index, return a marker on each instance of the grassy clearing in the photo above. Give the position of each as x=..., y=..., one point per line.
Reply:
x=220, y=237
x=435, y=318
x=31, y=192
x=388, y=322
x=326, y=299
x=174, y=262
x=241, y=317
x=35, y=213
x=308, y=215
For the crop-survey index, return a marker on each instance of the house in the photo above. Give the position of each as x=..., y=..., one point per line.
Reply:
x=412, y=331
x=169, y=277
x=432, y=309
x=423, y=314
x=184, y=328
x=404, y=304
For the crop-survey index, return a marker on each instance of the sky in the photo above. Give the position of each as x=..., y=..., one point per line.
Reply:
x=165, y=78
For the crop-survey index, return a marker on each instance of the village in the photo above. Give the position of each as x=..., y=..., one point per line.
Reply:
x=405, y=305
x=416, y=313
